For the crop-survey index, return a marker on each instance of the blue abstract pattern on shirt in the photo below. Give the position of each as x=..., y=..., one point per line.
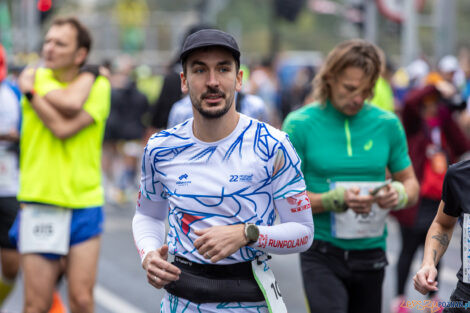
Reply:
x=231, y=181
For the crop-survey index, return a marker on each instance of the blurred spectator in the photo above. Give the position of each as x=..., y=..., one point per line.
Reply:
x=407, y=78
x=124, y=132
x=250, y=105
x=465, y=65
x=383, y=93
x=10, y=112
x=132, y=16
x=447, y=67
x=147, y=83
x=293, y=97
x=263, y=83
x=171, y=89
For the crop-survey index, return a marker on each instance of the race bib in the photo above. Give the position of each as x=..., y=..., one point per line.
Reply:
x=7, y=169
x=351, y=225
x=268, y=285
x=466, y=248
x=44, y=229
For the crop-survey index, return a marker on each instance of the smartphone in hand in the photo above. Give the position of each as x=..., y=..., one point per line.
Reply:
x=376, y=190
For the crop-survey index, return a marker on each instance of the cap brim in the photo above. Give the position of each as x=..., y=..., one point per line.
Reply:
x=186, y=53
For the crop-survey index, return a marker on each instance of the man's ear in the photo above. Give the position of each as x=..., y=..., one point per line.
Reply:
x=238, y=86
x=80, y=56
x=184, y=87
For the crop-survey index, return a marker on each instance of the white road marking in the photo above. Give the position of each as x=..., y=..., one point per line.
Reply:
x=113, y=302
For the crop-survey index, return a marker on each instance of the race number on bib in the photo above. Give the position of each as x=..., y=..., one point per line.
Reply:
x=351, y=225
x=268, y=285
x=44, y=229
x=7, y=169
x=466, y=248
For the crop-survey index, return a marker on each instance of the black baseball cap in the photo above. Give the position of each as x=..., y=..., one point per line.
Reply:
x=209, y=38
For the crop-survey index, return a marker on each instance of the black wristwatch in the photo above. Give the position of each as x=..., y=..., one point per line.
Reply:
x=251, y=233
x=29, y=95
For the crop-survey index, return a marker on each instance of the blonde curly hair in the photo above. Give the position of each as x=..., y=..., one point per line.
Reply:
x=351, y=53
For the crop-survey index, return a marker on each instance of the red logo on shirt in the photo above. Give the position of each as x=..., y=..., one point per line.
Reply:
x=300, y=201
x=288, y=243
x=263, y=241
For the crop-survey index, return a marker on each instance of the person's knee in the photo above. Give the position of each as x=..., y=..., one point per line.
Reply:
x=81, y=301
x=37, y=305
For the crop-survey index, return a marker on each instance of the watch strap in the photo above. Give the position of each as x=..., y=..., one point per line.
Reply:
x=29, y=95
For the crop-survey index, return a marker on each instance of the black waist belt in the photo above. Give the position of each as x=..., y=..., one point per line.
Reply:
x=203, y=283
x=368, y=259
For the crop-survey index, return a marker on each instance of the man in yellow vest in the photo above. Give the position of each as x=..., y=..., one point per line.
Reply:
x=65, y=106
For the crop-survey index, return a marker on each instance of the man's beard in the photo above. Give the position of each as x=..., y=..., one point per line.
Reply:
x=210, y=114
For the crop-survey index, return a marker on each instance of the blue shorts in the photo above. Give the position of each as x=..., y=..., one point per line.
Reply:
x=85, y=224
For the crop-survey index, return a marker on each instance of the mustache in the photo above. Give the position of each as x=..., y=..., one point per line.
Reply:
x=213, y=91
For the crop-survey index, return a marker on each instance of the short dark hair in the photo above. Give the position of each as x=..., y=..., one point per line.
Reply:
x=83, y=34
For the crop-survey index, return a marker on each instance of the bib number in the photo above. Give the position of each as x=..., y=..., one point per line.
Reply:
x=44, y=229
x=466, y=248
x=268, y=285
x=7, y=169
x=351, y=225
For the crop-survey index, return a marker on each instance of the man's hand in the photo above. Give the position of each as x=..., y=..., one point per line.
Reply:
x=387, y=197
x=159, y=271
x=218, y=242
x=425, y=279
x=105, y=72
x=26, y=79
x=446, y=89
x=361, y=204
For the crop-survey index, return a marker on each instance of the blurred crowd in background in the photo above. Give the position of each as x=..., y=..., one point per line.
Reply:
x=142, y=100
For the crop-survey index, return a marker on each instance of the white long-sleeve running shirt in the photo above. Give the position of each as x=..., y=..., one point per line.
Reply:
x=243, y=178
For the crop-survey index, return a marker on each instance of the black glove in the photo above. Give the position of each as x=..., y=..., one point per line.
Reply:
x=90, y=68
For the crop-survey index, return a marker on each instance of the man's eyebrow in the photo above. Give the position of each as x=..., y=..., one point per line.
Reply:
x=226, y=62
x=196, y=62
x=350, y=87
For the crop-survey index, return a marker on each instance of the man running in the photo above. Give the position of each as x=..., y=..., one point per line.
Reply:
x=455, y=204
x=221, y=177
x=346, y=146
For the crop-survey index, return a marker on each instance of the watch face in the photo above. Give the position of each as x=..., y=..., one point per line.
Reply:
x=252, y=232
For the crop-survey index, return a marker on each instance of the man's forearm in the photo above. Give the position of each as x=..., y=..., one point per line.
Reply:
x=437, y=241
x=45, y=111
x=412, y=190
x=12, y=136
x=315, y=202
x=62, y=127
x=69, y=101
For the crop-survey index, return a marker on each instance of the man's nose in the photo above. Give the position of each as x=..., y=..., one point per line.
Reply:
x=47, y=47
x=358, y=99
x=213, y=79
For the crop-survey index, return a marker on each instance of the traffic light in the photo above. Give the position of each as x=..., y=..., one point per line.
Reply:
x=288, y=9
x=44, y=5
